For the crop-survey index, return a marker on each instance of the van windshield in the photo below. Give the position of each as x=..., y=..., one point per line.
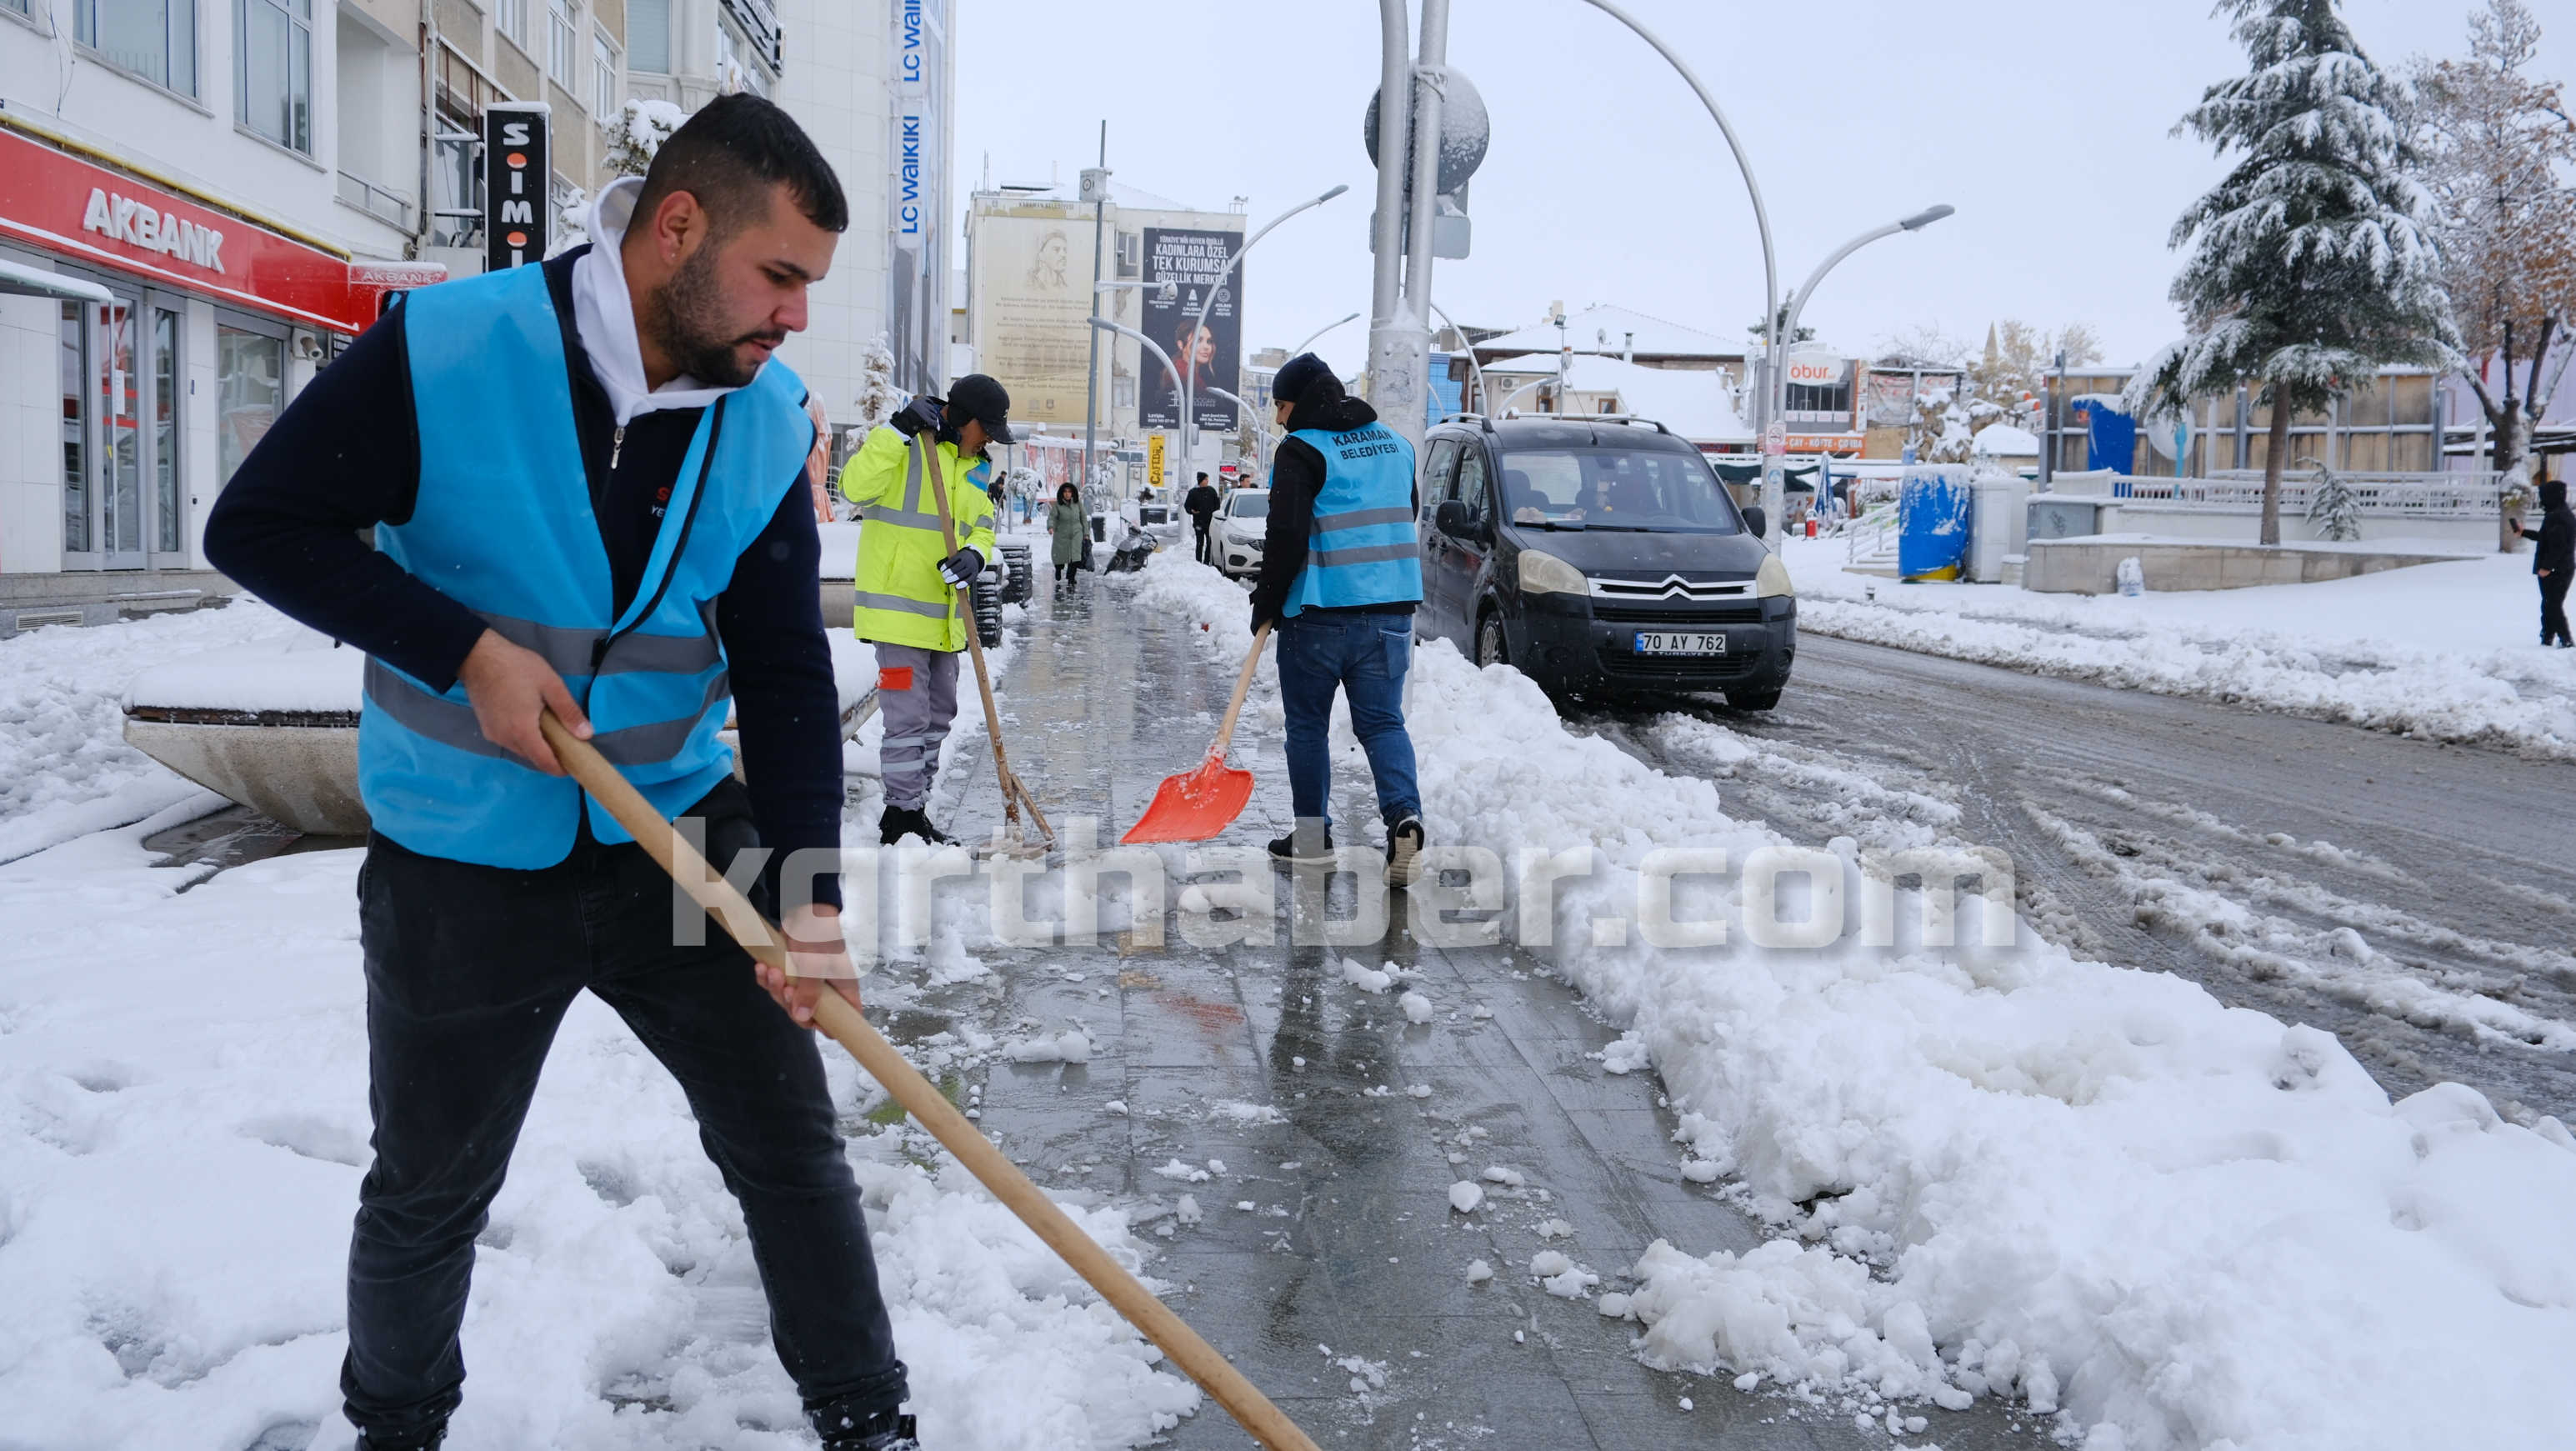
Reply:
x=1616, y=488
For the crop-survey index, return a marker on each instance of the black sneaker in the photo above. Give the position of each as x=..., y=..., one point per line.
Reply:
x=1404, y=852
x=899, y=822
x=886, y=1431
x=1285, y=849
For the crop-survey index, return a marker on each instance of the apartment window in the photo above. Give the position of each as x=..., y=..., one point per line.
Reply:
x=511, y=18
x=648, y=35
x=603, y=77
x=563, y=35
x=154, y=39
x=273, y=70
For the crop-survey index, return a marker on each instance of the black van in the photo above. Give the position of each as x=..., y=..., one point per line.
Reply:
x=1600, y=557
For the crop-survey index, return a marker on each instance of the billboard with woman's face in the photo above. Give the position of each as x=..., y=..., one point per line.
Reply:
x=1211, y=353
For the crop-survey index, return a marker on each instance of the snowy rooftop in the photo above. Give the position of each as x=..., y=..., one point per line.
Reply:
x=1120, y=194
x=1605, y=329
x=1690, y=401
x=2002, y=440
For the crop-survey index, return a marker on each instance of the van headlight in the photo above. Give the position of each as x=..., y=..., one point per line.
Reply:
x=1772, y=578
x=1543, y=573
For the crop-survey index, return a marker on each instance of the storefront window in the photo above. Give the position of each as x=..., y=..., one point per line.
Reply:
x=74, y=365
x=273, y=70
x=250, y=389
x=169, y=515
x=155, y=39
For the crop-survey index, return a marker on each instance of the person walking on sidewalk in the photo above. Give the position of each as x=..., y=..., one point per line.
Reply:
x=1341, y=572
x=1066, y=526
x=1201, y=504
x=2553, y=560
x=912, y=590
x=585, y=480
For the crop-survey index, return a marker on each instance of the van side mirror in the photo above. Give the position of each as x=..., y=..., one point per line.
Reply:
x=1757, y=521
x=1451, y=518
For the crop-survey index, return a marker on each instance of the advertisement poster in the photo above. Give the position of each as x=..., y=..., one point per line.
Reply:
x=1196, y=261
x=1035, y=284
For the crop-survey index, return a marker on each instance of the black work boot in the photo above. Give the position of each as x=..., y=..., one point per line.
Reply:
x=884, y=1431
x=1404, y=851
x=1305, y=844
x=899, y=822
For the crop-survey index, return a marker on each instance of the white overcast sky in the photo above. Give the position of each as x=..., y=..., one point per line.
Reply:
x=2045, y=123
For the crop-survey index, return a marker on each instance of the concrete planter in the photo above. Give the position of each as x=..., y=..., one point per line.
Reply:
x=2090, y=565
x=303, y=776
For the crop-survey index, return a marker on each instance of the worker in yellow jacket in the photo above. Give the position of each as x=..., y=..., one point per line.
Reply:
x=913, y=592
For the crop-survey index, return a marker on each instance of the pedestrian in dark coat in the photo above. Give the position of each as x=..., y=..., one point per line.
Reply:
x=2553, y=560
x=1065, y=526
x=1201, y=504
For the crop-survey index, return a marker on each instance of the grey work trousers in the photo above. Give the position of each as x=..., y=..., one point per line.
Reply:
x=917, y=691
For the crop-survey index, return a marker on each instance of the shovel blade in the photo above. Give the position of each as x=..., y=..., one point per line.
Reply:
x=1194, y=805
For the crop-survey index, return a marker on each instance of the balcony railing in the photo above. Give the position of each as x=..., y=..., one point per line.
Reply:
x=376, y=201
x=2240, y=491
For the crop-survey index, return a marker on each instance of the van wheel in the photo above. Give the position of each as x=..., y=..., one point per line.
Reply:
x=1491, y=648
x=1753, y=699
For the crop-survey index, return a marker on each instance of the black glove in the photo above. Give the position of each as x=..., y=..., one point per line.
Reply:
x=961, y=568
x=921, y=415
x=1261, y=616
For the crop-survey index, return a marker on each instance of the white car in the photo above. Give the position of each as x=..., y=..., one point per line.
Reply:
x=1237, y=530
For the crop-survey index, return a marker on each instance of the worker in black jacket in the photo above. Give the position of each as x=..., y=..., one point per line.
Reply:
x=1201, y=504
x=2553, y=560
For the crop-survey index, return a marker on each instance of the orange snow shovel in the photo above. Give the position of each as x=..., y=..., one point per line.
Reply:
x=1199, y=803
x=835, y=1015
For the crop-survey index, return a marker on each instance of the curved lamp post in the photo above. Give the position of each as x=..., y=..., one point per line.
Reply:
x=1260, y=432
x=1319, y=332
x=1776, y=397
x=1105, y=325
x=1189, y=393
x=1478, y=369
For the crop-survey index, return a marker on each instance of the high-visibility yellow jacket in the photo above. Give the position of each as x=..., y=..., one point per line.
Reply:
x=901, y=598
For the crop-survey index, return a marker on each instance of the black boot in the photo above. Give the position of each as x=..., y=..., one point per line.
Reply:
x=1303, y=846
x=884, y=1431
x=899, y=822
x=1404, y=851
x=426, y=1440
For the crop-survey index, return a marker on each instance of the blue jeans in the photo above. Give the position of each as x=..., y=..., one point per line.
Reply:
x=469, y=970
x=1364, y=656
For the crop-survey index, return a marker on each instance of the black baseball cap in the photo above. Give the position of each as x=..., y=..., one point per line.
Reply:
x=980, y=398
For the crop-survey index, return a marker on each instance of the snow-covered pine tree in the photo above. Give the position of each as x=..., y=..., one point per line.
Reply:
x=2498, y=154
x=878, y=396
x=2333, y=504
x=637, y=132
x=2311, y=265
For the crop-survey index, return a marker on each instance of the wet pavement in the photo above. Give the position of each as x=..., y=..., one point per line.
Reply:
x=2390, y=891
x=1318, y=1131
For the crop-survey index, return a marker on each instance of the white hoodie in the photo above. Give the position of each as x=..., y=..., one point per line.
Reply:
x=603, y=314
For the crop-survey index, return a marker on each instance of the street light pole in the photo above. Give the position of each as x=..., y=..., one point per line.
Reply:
x=1772, y=483
x=1777, y=401
x=1473, y=367
x=1189, y=393
x=1319, y=332
x=1091, y=376
x=1395, y=355
x=1100, y=325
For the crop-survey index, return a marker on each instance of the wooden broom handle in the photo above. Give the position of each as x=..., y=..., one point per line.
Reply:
x=837, y=1016
x=1242, y=687
x=1014, y=795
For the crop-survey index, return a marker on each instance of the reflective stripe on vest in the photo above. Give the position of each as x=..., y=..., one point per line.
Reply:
x=922, y=470
x=1361, y=548
x=502, y=523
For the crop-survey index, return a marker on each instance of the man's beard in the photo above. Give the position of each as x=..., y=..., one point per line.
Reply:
x=686, y=318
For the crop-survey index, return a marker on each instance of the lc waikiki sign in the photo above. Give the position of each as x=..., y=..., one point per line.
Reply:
x=912, y=38
x=83, y=212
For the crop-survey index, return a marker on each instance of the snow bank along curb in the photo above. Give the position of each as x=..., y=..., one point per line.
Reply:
x=2424, y=651
x=2008, y=1172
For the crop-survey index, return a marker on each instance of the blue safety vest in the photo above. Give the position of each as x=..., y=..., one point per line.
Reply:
x=503, y=525
x=1361, y=548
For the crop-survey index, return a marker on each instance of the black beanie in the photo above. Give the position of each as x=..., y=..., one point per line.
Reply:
x=1296, y=375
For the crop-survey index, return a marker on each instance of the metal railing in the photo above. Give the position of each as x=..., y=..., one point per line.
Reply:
x=1870, y=537
x=376, y=201
x=2386, y=496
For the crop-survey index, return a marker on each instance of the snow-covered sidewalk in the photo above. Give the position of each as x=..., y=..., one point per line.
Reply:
x=2447, y=651
x=2006, y=1171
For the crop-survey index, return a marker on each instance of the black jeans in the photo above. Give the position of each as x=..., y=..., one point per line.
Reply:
x=2553, y=604
x=1206, y=544
x=469, y=970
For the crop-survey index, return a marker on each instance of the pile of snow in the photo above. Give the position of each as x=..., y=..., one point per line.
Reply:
x=183, y=1122
x=2446, y=650
x=64, y=765
x=2003, y=1171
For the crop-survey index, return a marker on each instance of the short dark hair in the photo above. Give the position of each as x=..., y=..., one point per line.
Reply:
x=730, y=153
